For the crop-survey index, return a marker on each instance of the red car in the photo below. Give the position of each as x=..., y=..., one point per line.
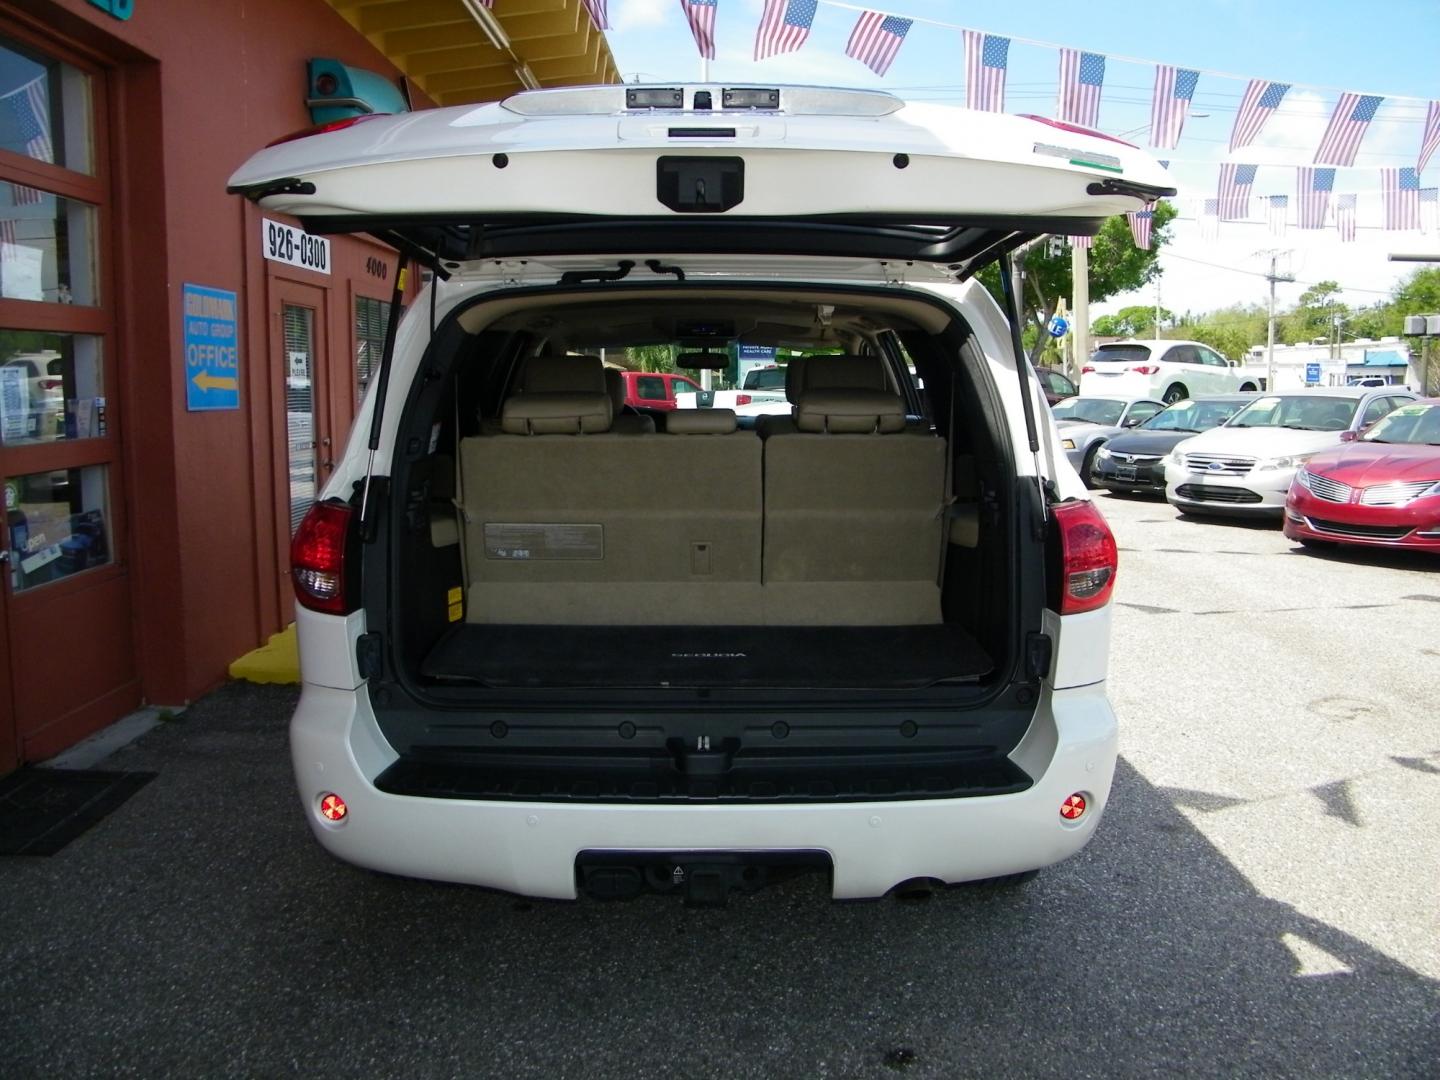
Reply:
x=1381, y=489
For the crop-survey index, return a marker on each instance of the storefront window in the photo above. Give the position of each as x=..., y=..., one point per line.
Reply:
x=371, y=317
x=44, y=109
x=57, y=524
x=51, y=387
x=47, y=247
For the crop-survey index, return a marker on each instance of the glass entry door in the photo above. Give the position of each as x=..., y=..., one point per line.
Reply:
x=303, y=465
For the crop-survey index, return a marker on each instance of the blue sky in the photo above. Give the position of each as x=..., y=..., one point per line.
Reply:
x=1386, y=48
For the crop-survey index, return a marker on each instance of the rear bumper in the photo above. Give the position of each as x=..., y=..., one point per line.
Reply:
x=531, y=847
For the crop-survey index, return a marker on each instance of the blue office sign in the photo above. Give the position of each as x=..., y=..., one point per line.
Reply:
x=212, y=349
x=1059, y=326
x=1312, y=372
x=757, y=352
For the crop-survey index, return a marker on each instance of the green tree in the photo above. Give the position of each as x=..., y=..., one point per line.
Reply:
x=1313, y=316
x=1137, y=320
x=1116, y=266
x=650, y=357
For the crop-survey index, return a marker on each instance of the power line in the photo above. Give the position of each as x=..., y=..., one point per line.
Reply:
x=1162, y=253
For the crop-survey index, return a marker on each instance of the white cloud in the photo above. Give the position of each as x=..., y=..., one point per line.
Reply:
x=638, y=14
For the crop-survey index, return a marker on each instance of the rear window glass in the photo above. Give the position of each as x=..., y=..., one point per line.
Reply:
x=650, y=388
x=1115, y=354
x=765, y=379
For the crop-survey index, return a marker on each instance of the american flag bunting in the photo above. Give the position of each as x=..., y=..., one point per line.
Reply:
x=1234, y=193
x=1140, y=222
x=701, y=16
x=1430, y=140
x=1277, y=209
x=1260, y=100
x=1345, y=217
x=876, y=39
x=1210, y=220
x=1400, y=192
x=1174, y=89
x=1429, y=208
x=30, y=105
x=784, y=26
x=1086, y=242
x=1082, y=74
x=986, y=59
x=1312, y=196
x=1348, y=124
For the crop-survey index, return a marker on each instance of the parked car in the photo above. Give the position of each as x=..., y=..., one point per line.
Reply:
x=1380, y=490
x=44, y=377
x=1131, y=461
x=656, y=389
x=761, y=393
x=1168, y=370
x=1058, y=386
x=1245, y=467
x=1086, y=424
x=682, y=659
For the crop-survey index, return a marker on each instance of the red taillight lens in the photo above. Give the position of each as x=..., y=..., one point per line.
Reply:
x=333, y=125
x=1086, y=370
x=1088, y=559
x=1146, y=369
x=1063, y=126
x=743, y=399
x=317, y=559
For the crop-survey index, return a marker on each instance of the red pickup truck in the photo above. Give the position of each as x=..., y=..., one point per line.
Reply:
x=655, y=390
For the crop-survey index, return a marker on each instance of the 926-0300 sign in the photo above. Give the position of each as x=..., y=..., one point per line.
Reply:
x=287, y=244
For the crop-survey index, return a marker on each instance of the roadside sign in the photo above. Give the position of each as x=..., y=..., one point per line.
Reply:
x=285, y=243
x=757, y=352
x=1312, y=372
x=1059, y=327
x=212, y=349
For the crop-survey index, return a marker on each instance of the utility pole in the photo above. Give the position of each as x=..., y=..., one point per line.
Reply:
x=1080, y=320
x=1272, y=277
x=1157, y=308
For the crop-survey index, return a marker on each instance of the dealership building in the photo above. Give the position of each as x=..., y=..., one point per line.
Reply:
x=178, y=369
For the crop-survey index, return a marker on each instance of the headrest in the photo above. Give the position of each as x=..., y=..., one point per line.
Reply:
x=794, y=376
x=850, y=412
x=844, y=373
x=700, y=422
x=615, y=387
x=556, y=414
x=563, y=375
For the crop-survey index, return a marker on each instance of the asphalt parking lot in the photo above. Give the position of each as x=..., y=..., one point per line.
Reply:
x=1261, y=899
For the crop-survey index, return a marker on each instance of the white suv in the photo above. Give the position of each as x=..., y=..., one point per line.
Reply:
x=1167, y=370
x=548, y=655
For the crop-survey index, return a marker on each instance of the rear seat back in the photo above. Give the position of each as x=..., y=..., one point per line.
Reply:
x=624, y=423
x=852, y=508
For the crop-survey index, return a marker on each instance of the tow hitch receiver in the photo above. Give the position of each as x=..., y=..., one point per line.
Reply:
x=704, y=878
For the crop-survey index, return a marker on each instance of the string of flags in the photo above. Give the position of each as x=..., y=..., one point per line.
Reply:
x=877, y=37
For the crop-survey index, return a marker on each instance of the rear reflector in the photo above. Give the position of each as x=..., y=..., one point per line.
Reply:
x=1087, y=559
x=743, y=399
x=317, y=559
x=332, y=807
x=1073, y=807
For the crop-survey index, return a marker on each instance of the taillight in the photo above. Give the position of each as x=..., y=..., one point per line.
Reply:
x=317, y=559
x=1086, y=370
x=321, y=129
x=1146, y=369
x=1063, y=126
x=743, y=399
x=51, y=384
x=1087, y=559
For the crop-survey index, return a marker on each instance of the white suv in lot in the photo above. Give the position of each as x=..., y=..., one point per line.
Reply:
x=1167, y=370
x=546, y=655
x=1244, y=467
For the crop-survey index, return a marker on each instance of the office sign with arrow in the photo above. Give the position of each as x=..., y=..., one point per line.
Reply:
x=212, y=349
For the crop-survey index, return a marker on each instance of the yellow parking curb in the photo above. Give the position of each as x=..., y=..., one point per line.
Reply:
x=277, y=661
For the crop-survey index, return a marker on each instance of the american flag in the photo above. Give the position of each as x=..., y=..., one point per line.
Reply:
x=1235, y=181
x=784, y=26
x=30, y=105
x=1279, y=208
x=876, y=39
x=1086, y=242
x=1429, y=207
x=1140, y=221
x=1081, y=76
x=1312, y=196
x=1345, y=216
x=7, y=233
x=1210, y=220
x=1174, y=87
x=986, y=59
x=1352, y=116
x=1260, y=100
x=1400, y=191
x=701, y=14
x=20, y=195
x=1430, y=141
x=597, y=12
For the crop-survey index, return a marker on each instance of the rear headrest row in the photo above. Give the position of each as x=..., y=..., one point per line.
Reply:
x=843, y=395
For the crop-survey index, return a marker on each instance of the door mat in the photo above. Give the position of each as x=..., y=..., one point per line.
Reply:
x=42, y=810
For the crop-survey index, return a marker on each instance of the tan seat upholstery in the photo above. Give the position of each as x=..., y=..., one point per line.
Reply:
x=558, y=395
x=624, y=423
x=700, y=422
x=852, y=506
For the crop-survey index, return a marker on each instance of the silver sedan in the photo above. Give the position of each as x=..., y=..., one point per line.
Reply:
x=1088, y=423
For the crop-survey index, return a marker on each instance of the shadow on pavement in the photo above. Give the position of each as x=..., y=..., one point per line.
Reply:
x=199, y=929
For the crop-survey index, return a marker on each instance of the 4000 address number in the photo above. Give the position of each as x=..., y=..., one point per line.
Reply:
x=287, y=244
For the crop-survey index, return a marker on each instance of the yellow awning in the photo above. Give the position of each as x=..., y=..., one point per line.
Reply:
x=459, y=52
